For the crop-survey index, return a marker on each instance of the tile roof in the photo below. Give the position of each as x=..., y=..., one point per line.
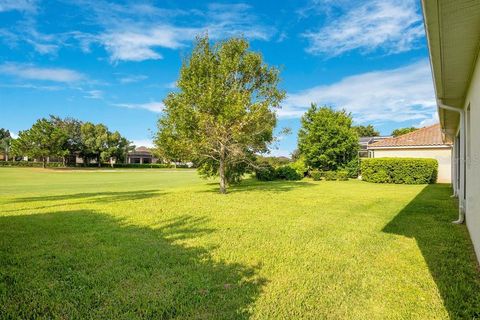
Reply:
x=426, y=136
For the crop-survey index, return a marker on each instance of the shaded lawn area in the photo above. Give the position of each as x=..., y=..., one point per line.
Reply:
x=164, y=244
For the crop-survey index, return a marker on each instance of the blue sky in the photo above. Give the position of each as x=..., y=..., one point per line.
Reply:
x=115, y=61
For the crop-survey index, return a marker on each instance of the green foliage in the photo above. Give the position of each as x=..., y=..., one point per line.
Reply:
x=342, y=175
x=366, y=131
x=30, y=164
x=330, y=175
x=317, y=175
x=42, y=140
x=327, y=139
x=224, y=110
x=400, y=170
x=273, y=161
x=265, y=172
x=5, y=142
x=287, y=173
x=401, y=131
x=353, y=168
x=300, y=166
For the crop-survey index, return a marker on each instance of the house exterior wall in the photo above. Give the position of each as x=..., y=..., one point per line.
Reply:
x=472, y=157
x=443, y=156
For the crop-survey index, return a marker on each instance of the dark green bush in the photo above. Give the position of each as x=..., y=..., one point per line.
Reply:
x=265, y=173
x=399, y=170
x=287, y=173
x=316, y=175
x=342, y=175
x=330, y=175
x=353, y=168
x=30, y=164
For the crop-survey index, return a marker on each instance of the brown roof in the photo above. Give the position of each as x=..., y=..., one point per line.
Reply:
x=426, y=136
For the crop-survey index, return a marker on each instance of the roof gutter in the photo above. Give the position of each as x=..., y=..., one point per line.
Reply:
x=459, y=184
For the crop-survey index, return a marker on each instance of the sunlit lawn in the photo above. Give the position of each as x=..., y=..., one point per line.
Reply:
x=164, y=244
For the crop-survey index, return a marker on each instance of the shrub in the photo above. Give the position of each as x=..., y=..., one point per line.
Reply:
x=30, y=164
x=342, y=175
x=300, y=166
x=288, y=173
x=330, y=175
x=316, y=175
x=265, y=173
x=353, y=168
x=400, y=170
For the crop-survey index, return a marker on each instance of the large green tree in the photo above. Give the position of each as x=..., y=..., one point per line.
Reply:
x=5, y=142
x=366, y=131
x=71, y=127
x=224, y=110
x=44, y=139
x=401, y=131
x=95, y=141
x=327, y=139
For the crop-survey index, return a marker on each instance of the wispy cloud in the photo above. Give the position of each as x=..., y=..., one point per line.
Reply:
x=396, y=95
x=143, y=143
x=18, y=5
x=391, y=26
x=132, y=78
x=94, y=94
x=136, y=33
x=26, y=71
x=153, y=106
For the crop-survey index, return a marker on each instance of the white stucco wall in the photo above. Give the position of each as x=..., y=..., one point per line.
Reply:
x=473, y=160
x=443, y=156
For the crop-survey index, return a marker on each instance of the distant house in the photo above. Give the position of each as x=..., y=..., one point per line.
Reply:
x=141, y=155
x=364, y=142
x=426, y=142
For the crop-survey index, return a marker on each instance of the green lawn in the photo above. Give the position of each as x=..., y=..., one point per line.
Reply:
x=164, y=244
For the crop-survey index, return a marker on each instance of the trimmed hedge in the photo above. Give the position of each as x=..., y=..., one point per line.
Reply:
x=30, y=164
x=399, y=170
x=342, y=175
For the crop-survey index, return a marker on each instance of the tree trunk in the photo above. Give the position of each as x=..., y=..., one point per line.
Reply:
x=98, y=160
x=221, y=171
x=64, y=162
x=44, y=162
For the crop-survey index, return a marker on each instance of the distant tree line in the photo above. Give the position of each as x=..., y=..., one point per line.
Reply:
x=66, y=139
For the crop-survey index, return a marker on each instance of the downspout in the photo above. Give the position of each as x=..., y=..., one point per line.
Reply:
x=460, y=190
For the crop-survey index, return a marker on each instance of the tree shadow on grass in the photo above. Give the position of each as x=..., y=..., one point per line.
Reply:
x=255, y=185
x=446, y=247
x=110, y=196
x=82, y=264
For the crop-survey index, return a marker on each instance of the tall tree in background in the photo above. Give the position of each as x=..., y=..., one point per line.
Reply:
x=401, y=131
x=72, y=129
x=95, y=141
x=223, y=112
x=366, y=131
x=5, y=142
x=327, y=139
x=44, y=139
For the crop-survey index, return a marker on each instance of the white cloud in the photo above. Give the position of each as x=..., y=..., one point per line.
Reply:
x=26, y=71
x=143, y=143
x=428, y=121
x=138, y=44
x=396, y=95
x=151, y=106
x=130, y=36
x=18, y=5
x=133, y=78
x=94, y=94
x=389, y=25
